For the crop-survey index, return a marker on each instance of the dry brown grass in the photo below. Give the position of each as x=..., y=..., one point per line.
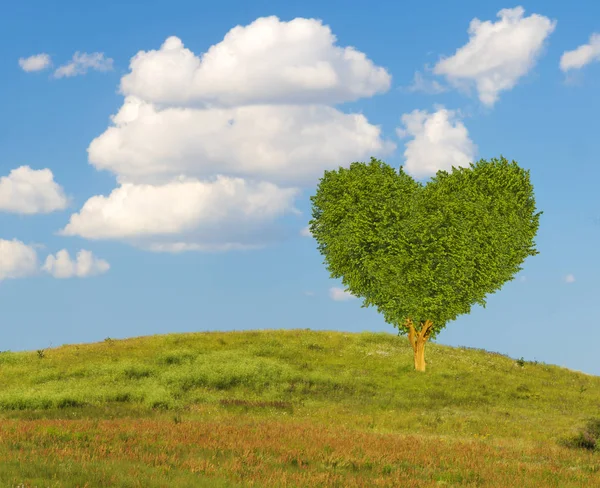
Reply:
x=292, y=453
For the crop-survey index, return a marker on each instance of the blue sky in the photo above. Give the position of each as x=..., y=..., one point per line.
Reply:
x=170, y=246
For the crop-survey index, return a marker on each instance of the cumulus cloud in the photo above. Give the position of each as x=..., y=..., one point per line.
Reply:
x=209, y=151
x=497, y=54
x=584, y=54
x=288, y=144
x=267, y=61
x=340, y=295
x=570, y=278
x=29, y=191
x=82, y=62
x=37, y=62
x=17, y=260
x=439, y=141
x=186, y=207
x=86, y=264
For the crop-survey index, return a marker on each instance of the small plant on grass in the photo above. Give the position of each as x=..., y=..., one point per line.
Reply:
x=41, y=353
x=588, y=438
x=521, y=362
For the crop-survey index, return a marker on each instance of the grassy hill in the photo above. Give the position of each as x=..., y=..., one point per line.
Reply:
x=292, y=408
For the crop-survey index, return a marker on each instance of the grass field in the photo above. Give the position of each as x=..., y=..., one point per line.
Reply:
x=292, y=408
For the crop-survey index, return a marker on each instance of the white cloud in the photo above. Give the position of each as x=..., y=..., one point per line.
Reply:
x=570, y=278
x=86, y=264
x=285, y=144
x=439, y=142
x=212, y=211
x=497, y=54
x=29, y=191
x=305, y=232
x=584, y=54
x=309, y=293
x=36, y=62
x=209, y=151
x=339, y=295
x=421, y=84
x=17, y=260
x=82, y=62
x=267, y=61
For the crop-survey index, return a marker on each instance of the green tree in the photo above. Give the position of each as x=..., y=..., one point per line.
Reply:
x=424, y=254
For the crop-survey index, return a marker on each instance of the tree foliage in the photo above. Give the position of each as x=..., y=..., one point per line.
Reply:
x=424, y=252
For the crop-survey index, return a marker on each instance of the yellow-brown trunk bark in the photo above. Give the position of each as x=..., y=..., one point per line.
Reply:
x=417, y=341
x=420, y=357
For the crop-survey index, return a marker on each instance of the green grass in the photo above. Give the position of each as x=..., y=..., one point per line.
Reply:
x=363, y=382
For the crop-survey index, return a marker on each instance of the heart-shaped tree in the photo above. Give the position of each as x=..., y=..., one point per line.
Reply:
x=424, y=254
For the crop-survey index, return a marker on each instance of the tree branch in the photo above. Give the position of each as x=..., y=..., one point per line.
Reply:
x=426, y=329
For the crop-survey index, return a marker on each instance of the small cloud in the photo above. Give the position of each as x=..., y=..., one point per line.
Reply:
x=86, y=264
x=420, y=84
x=523, y=278
x=37, y=62
x=82, y=62
x=309, y=293
x=340, y=295
x=17, y=260
x=30, y=191
x=584, y=54
x=498, y=54
x=305, y=232
x=440, y=141
x=570, y=278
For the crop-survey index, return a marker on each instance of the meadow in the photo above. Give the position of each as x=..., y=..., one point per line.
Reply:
x=292, y=408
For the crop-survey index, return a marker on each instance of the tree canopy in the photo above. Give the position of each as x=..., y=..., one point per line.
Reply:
x=425, y=252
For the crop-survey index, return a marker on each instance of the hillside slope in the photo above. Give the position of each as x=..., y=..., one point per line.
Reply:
x=362, y=382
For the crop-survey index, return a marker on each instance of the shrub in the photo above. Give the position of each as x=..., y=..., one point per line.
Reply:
x=176, y=357
x=588, y=438
x=122, y=397
x=69, y=402
x=135, y=372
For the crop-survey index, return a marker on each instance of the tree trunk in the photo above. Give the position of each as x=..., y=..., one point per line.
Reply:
x=417, y=341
